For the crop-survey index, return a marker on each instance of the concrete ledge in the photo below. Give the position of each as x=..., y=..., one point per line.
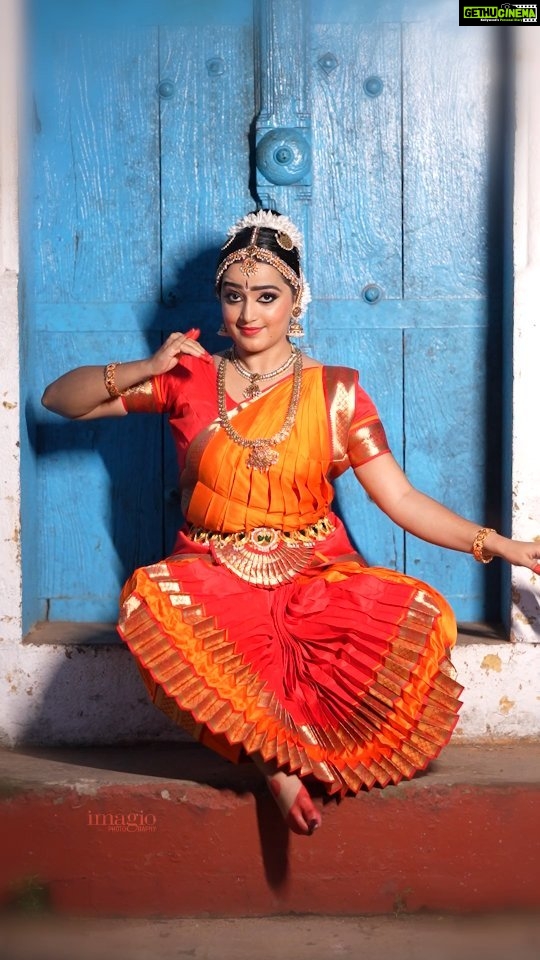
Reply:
x=72, y=633
x=92, y=693
x=170, y=830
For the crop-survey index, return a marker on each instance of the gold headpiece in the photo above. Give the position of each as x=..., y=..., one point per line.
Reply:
x=287, y=237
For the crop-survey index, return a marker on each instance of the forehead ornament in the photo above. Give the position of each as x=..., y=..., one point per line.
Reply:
x=287, y=237
x=249, y=265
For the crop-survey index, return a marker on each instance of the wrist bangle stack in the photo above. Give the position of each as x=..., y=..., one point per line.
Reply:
x=110, y=385
x=478, y=545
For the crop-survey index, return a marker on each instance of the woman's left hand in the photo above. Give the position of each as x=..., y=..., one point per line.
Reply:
x=517, y=552
x=386, y=484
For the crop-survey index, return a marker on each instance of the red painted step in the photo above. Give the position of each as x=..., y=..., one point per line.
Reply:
x=170, y=830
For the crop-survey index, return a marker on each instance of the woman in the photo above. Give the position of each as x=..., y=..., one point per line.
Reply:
x=265, y=634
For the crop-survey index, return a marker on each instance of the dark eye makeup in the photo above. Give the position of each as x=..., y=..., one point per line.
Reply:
x=232, y=296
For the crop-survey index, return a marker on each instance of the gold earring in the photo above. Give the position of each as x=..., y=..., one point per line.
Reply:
x=295, y=327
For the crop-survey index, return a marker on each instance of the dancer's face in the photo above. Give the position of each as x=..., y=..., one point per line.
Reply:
x=256, y=309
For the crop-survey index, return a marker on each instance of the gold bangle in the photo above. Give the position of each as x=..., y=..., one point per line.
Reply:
x=110, y=385
x=478, y=545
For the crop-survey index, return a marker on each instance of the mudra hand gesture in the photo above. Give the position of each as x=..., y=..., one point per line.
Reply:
x=176, y=345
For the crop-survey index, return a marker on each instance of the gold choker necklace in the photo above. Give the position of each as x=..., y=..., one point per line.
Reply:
x=261, y=453
x=253, y=390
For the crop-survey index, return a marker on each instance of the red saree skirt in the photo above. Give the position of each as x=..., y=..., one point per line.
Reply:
x=343, y=674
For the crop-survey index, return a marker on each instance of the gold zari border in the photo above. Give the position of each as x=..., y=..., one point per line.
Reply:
x=140, y=398
x=366, y=442
x=398, y=724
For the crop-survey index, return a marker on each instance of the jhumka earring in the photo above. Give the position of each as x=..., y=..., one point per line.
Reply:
x=295, y=328
x=222, y=331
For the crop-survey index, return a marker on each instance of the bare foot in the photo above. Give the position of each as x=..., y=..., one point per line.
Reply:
x=296, y=806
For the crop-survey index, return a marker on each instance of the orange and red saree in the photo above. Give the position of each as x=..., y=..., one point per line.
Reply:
x=340, y=670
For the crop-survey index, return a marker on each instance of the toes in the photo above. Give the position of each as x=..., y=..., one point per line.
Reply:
x=297, y=808
x=303, y=816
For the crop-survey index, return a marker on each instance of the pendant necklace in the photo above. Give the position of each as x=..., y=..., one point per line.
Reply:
x=262, y=454
x=252, y=390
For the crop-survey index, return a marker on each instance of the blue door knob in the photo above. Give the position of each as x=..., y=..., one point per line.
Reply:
x=283, y=156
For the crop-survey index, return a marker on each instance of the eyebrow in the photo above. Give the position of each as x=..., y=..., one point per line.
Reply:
x=239, y=286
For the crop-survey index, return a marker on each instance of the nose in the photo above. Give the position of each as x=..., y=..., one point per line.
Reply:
x=249, y=310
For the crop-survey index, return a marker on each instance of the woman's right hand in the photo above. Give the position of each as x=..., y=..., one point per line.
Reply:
x=176, y=344
x=82, y=393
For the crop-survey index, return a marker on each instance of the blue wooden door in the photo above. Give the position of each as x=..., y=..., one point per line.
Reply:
x=155, y=129
x=404, y=238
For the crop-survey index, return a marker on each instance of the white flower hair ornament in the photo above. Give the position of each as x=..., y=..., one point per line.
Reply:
x=305, y=297
x=287, y=237
x=273, y=221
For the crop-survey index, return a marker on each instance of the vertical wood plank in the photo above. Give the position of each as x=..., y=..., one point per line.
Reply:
x=357, y=160
x=95, y=230
x=281, y=92
x=205, y=130
x=99, y=124
x=100, y=486
x=96, y=167
x=281, y=98
x=447, y=72
x=356, y=235
x=447, y=121
x=446, y=385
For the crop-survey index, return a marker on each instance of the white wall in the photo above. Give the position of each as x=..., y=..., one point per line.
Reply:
x=526, y=344
x=10, y=561
x=75, y=693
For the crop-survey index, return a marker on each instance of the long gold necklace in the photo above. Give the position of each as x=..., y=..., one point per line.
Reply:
x=261, y=453
x=253, y=389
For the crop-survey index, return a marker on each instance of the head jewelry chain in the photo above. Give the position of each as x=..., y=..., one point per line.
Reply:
x=287, y=237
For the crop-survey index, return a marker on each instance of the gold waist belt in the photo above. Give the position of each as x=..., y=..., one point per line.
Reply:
x=264, y=557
